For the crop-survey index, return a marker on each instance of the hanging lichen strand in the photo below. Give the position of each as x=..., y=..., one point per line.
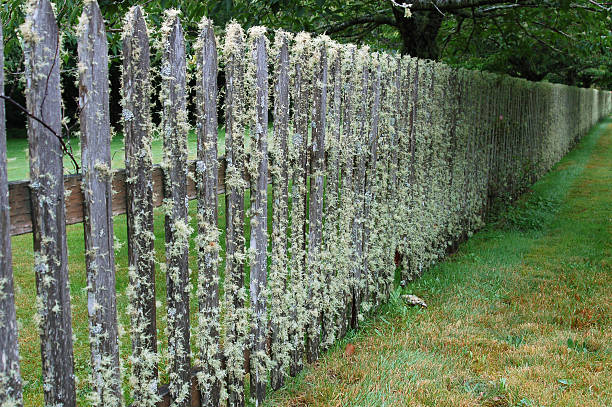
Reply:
x=175, y=129
x=41, y=46
x=211, y=374
x=256, y=79
x=301, y=77
x=237, y=120
x=279, y=294
x=139, y=185
x=97, y=192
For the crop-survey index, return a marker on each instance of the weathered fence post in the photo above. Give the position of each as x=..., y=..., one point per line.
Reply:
x=347, y=194
x=279, y=169
x=235, y=185
x=42, y=63
x=333, y=269
x=299, y=173
x=209, y=358
x=258, y=248
x=178, y=232
x=362, y=92
x=10, y=375
x=139, y=202
x=315, y=214
x=97, y=206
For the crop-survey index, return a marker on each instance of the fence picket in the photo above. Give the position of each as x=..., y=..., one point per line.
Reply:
x=42, y=62
x=315, y=213
x=10, y=375
x=347, y=190
x=235, y=185
x=279, y=169
x=178, y=232
x=97, y=206
x=362, y=124
x=334, y=277
x=258, y=248
x=301, y=75
x=139, y=202
x=211, y=375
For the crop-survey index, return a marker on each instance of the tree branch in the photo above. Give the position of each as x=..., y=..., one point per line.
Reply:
x=376, y=19
x=65, y=148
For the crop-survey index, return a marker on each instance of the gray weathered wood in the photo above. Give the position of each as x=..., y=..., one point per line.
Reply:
x=139, y=203
x=208, y=232
x=315, y=214
x=175, y=128
x=42, y=63
x=97, y=206
x=280, y=187
x=234, y=198
x=299, y=173
x=258, y=247
x=10, y=375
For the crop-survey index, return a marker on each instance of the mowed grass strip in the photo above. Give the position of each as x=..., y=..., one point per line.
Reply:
x=519, y=316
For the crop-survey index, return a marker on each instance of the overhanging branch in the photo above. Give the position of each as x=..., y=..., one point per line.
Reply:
x=376, y=19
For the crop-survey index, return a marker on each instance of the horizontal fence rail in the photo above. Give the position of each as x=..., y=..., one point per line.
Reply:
x=374, y=162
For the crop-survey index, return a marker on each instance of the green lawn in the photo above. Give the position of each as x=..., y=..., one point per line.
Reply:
x=520, y=316
x=17, y=152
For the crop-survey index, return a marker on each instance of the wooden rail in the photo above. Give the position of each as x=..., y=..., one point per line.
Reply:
x=21, y=206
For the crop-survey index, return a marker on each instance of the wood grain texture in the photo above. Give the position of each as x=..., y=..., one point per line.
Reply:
x=139, y=204
x=178, y=233
x=42, y=62
x=10, y=375
x=97, y=206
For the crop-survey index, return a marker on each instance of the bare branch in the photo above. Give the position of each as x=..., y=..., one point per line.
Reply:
x=376, y=19
x=65, y=148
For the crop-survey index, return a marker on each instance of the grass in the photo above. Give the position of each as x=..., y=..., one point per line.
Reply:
x=17, y=152
x=520, y=316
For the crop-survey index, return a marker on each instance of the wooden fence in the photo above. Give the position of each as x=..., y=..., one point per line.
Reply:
x=375, y=160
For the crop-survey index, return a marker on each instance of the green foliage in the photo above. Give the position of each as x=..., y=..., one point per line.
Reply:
x=552, y=41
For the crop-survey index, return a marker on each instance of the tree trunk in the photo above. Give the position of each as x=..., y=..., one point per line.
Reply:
x=419, y=32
